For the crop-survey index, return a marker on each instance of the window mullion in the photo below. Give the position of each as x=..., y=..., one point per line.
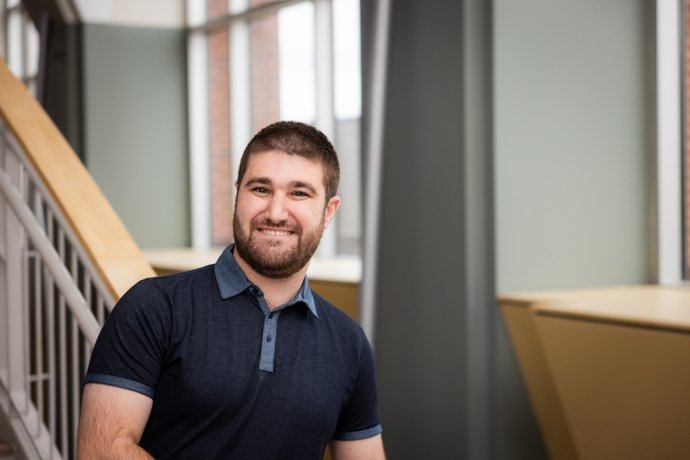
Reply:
x=325, y=121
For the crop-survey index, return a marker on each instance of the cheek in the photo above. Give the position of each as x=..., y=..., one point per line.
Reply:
x=247, y=209
x=311, y=218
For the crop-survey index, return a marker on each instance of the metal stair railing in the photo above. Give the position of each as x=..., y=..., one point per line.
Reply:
x=51, y=308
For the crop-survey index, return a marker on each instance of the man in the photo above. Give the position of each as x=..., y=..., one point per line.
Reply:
x=240, y=360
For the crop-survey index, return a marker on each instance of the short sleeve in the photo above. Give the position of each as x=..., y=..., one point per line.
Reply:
x=359, y=418
x=132, y=345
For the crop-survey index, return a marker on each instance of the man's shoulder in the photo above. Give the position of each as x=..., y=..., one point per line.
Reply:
x=178, y=278
x=341, y=320
x=171, y=285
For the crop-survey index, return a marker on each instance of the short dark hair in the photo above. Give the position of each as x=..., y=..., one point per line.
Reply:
x=296, y=138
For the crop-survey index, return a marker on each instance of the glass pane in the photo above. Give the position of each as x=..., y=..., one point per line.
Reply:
x=346, y=59
x=297, y=62
x=239, y=6
x=33, y=44
x=282, y=66
x=14, y=43
x=196, y=12
x=347, y=100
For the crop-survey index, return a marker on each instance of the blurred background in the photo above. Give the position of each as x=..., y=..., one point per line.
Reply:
x=485, y=146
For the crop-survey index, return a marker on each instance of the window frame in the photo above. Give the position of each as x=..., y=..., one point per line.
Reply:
x=238, y=20
x=668, y=180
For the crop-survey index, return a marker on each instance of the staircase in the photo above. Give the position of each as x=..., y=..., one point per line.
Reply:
x=65, y=258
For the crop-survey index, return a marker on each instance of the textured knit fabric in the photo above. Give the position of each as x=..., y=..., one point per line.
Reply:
x=229, y=378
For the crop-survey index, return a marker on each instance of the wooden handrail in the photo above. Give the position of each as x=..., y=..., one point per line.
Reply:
x=104, y=238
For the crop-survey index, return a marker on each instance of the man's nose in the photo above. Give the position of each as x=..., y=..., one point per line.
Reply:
x=277, y=208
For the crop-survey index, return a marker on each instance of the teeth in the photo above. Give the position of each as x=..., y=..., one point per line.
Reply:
x=276, y=232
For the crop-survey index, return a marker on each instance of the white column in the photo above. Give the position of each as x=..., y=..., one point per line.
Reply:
x=669, y=187
x=199, y=156
x=323, y=21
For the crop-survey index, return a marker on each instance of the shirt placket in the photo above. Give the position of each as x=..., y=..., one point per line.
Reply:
x=268, y=341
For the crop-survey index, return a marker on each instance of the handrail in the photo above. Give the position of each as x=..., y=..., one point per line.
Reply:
x=108, y=244
x=65, y=259
x=87, y=323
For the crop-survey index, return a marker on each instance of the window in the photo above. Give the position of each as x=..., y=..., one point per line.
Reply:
x=253, y=62
x=19, y=44
x=669, y=146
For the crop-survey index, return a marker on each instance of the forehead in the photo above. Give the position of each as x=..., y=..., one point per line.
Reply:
x=279, y=167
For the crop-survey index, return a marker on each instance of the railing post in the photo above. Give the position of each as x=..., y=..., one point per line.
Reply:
x=15, y=248
x=4, y=298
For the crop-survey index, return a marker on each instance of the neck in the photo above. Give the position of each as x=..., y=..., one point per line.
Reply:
x=277, y=291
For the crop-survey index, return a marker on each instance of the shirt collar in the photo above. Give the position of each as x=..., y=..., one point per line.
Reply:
x=232, y=281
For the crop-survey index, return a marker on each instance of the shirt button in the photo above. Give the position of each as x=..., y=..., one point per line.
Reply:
x=268, y=338
x=270, y=316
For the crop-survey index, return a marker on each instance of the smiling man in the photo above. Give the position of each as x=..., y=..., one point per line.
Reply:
x=241, y=359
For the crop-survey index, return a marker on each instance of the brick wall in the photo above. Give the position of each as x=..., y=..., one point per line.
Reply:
x=264, y=70
x=219, y=130
x=264, y=102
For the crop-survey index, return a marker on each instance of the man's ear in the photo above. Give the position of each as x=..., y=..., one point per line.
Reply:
x=329, y=212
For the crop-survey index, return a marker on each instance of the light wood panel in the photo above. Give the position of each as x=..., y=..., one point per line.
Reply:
x=540, y=385
x=107, y=242
x=625, y=390
x=607, y=369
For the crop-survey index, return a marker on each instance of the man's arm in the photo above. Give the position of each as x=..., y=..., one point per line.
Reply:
x=111, y=423
x=362, y=449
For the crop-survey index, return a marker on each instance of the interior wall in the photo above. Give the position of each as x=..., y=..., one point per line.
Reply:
x=571, y=153
x=571, y=142
x=566, y=192
x=151, y=13
x=135, y=128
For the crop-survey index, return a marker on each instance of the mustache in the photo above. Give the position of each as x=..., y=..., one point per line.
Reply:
x=282, y=225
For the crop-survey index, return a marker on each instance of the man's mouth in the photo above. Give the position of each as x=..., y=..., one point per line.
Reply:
x=274, y=232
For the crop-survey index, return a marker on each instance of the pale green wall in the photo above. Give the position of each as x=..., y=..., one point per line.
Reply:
x=135, y=128
x=571, y=143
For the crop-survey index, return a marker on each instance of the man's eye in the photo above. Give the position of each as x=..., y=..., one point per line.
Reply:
x=300, y=194
x=260, y=190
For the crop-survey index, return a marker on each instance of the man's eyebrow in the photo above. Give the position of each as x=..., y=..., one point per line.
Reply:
x=258, y=181
x=294, y=184
x=308, y=186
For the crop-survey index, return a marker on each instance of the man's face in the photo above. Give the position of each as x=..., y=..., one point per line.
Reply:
x=280, y=212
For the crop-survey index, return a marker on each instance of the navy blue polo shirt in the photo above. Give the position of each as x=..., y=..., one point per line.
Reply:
x=231, y=379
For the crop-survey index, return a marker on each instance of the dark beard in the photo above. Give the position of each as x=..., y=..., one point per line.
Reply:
x=274, y=264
